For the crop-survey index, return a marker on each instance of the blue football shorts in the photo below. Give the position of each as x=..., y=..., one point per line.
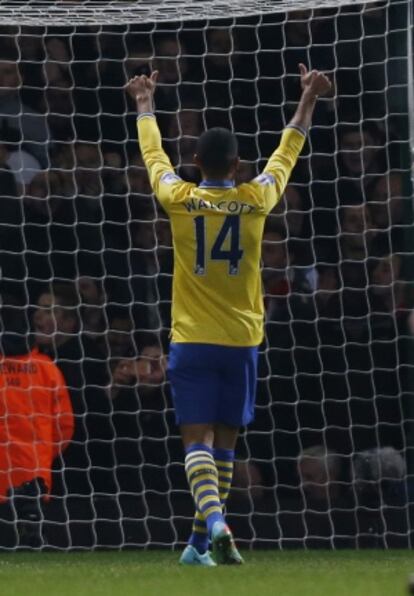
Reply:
x=213, y=384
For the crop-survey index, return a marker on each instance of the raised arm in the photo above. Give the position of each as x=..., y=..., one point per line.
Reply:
x=142, y=89
x=157, y=162
x=283, y=160
x=314, y=84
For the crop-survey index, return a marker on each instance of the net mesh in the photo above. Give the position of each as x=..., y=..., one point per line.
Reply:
x=147, y=11
x=86, y=263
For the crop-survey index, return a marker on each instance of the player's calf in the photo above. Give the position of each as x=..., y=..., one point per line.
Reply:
x=202, y=478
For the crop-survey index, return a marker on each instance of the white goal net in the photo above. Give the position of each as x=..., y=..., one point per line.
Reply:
x=89, y=451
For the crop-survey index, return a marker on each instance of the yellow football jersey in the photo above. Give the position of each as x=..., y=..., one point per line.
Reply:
x=217, y=233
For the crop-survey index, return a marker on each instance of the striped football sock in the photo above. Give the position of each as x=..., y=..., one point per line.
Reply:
x=224, y=459
x=203, y=479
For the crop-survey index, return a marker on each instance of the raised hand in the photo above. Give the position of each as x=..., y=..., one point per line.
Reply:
x=142, y=88
x=314, y=82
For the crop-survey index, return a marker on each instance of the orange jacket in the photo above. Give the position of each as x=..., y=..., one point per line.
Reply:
x=36, y=418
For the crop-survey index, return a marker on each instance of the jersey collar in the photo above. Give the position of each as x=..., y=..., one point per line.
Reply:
x=217, y=184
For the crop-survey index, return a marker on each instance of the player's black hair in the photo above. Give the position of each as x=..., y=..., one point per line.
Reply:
x=217, y=148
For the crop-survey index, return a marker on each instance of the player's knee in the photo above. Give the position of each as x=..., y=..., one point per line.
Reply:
x=197, y=434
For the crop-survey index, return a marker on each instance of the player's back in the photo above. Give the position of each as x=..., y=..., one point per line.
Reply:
x=217, y=232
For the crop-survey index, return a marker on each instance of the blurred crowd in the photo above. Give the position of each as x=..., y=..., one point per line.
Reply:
x=87, y=251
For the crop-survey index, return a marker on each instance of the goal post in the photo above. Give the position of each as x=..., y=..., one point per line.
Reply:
x=328, y=459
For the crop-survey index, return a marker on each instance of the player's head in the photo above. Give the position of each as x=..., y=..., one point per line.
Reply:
x=217, y=153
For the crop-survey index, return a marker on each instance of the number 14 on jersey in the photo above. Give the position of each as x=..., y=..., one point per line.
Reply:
x=229, y=230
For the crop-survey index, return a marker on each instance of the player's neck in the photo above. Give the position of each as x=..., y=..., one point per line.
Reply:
x=217, y=182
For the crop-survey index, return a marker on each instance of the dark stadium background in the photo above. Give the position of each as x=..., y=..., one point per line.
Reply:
x=335, y=365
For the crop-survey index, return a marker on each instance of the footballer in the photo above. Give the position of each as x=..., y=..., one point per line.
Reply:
x=217, y=304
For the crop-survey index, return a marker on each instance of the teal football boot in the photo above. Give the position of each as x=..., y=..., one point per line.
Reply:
x=224, y=548
x=191, y=556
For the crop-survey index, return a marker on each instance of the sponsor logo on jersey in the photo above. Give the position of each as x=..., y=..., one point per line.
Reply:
x=170, y=178
x=265, y=179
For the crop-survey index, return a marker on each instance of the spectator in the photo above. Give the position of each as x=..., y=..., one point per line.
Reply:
x=63, y=159
x=38, y=240
x=7, y=179
x=48, y=255
x=360, y=154
x=379, y=475
x=31, y=46
x=59, y=98
x=114, y=172
x=386, y=201
x=299, y=29
x=115, y=203
x=58, y=50
x=356, y=245
x=369, y=478
x=124, y=373
x=359, y=242
x=217, y=67
x=146, y=287
x=154, y=372
x=276, y=275
x=93, y=298
x=294, y=218
x=138, y=181
x=319, y=472
x=148, y=448
x=148, y=370
x=228, y=75
x=327, y=290
x=56, y=324
x=356, y=232
x=387, y=290
x=388, y=320
x=246, y=171
x=17, y=115
x=183, y=131
x=360, y=161
x=119, y=338
x=172, y=64
x=295, y=211
x=89, y=207
x=140, y=58
x=247, y=482
x=24, y=167
x=280, y=277
x=36, y=421
x=89, y=161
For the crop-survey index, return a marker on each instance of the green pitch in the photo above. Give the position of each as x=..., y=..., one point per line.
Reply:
x=296, y=573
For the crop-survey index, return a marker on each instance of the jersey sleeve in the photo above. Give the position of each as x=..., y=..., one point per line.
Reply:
x=164, y=181
x=271, y=183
